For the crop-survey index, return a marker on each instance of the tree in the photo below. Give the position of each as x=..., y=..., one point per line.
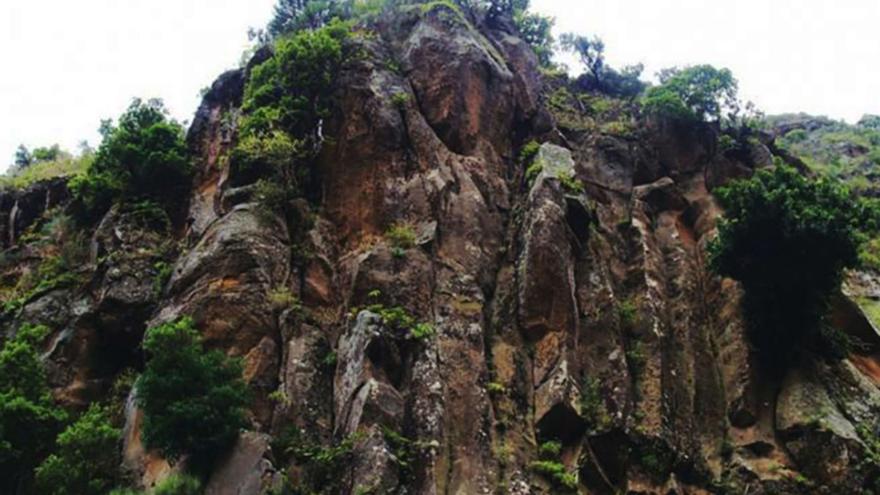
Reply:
x=506, y=8
x=537, y=31
x=787, y=239
x=869, y=121
x=87, y=459
x=286, y=99
x=175, y=484
x=599, y=76
x=47, y=153
x=625, y=83
x=296, y=15
x=590, y=51
x=143, y=157
x=701, y=92
x=193, y=400
x=29, y=419
x=23, y=157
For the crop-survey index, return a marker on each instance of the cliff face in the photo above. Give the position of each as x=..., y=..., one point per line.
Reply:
x=583, y=315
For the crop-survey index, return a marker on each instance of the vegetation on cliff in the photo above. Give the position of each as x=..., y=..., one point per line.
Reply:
x=580, y=350
x=142, y=157
x=193, y=400
x=788, y=240
x=29, y=418
x=86, y=461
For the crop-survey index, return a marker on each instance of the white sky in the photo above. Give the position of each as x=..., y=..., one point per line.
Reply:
x=68, y=64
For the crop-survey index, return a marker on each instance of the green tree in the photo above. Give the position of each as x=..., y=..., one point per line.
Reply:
x=285, y=102
x=193, y=400
x=536, y=30
x=787, y=239
x=176, y=484
x=29, y=419
x=47, y=153
x=869, y=121
x=87, y=459
x=295, y=15
x=701, y=92
x=590, y=51
x=23, y=157
x=143, y=157
x=599, y=76
x=508, y=8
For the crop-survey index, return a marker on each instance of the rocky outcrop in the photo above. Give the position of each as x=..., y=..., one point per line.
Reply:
x=22, y=208
x=571, y=306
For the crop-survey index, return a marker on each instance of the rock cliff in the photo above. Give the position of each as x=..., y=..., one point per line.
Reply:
x=572, y=305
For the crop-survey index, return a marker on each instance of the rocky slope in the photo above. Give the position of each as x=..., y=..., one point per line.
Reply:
x=583, y=315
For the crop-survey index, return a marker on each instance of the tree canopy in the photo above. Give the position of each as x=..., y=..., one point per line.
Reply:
x=87, y=458
x=699, y=92
x=295, y=15
x=787, y=239
x=143, y=156
x=29, y=419
x=193, y=400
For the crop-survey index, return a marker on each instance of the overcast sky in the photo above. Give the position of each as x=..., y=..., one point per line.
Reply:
x=68, y=64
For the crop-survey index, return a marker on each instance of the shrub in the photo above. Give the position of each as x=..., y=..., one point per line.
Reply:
x=295, y=15
x=698, y=93
x=537, y=31
x=176, y=484
x=87, y=458
x=555, y=471
x=193, y=401
x=265, y=155
x=285, y=100
x=422, y=331
x=179, y=484
x=401, y=236
x=163, y=271
x=664, y=102
x=282, y=298
x=592, y=403
x=29, y=420
x=787, y=239
x=400, y=99
x=549, y=450
x=320, y=465
x=65, y=165
x=143, y=157
x=570, y=183
x=291, y=90
x=534, y=170
x=529, y=151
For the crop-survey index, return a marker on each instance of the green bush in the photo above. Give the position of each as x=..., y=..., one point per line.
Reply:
x=529, y=151
x=701, y=92
x=555, y=471
x=64, y=165
x=270, y=154
x=664, y=102
x=87, y=459
x=193, y=400
x=319, y=465
x=291, y=90
x=570, y=183
x=295, y=15
x=179, y=484
x=29, y=419
x=69, y=250
x=787, y=239
x=143, y=157
x=176, y=484
x=285, y=100
x=401, y=236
